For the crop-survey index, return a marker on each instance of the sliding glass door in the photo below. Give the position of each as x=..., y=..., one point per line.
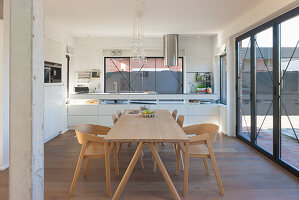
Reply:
x=244, y=88
x=264, y=89
x=268, y=89
x=289, y=98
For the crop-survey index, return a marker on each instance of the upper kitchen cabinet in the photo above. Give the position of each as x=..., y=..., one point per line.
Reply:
x=53, y=51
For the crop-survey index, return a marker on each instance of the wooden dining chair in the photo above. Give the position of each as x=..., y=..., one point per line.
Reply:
x=201, y=147
x=119, y=113
x=92, y=148
x=114, y=118
x=174, y=114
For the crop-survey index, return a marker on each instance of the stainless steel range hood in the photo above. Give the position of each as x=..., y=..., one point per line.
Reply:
x=171, y=49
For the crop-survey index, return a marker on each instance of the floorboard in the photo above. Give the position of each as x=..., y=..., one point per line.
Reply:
x=245, y=173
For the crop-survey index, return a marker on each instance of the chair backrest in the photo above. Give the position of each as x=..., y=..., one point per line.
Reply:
x=114, y=118
x=174, y=114
x=119, y=113
x=180, y=120
x=211, y=129
x=85, y=129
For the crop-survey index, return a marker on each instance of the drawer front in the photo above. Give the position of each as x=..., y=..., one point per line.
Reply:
x=137, y=106
x=113, y=96
x=105, y=121
x=84, y=110
x=105, y=110
x=143, y=96
x=76, y=120
x=182, y=109
x=203, y=119
x=204, y=109
x=171, y=96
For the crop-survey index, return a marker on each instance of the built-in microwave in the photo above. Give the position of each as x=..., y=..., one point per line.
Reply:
x=52, y=72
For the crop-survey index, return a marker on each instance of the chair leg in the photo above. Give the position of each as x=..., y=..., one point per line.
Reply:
x=214, y=163
x=177, y=159
x=78, y=167
x=116, y=167
x=182, y=160
x=118, y=149
x=86, y=167
x=174, y=147
x=107, y=169
x=155, y=163
x=206, y=166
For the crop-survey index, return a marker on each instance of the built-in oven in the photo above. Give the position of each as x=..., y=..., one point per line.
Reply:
x=47, y=72
x=52, y=72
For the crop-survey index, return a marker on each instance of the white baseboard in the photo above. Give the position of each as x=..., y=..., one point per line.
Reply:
x=4, y=167
x=64, y=131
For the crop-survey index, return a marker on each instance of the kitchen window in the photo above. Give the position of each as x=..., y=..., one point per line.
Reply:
x=122, y=75
x=223, y=80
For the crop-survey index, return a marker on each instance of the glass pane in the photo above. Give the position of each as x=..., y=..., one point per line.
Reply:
x=169, y=79
x=117, y=75
x=223, y=79
x=143, y=77
x=264, y=89
x=290, y=92
x=244, y=88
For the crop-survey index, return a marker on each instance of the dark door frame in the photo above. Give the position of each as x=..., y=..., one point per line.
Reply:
x=275, y=24
x=68, y=59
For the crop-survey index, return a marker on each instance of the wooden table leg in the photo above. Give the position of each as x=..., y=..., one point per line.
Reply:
x=128, y=172
x=186, y=169
x=107, y=166
x=116, y=167
x=163, y=171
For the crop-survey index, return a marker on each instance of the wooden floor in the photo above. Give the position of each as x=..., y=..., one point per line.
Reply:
x=245, y=173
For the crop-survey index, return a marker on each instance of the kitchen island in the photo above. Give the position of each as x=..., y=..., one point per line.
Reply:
x=97, y=108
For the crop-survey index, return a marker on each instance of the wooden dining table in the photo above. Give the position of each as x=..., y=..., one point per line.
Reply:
x=147, y=131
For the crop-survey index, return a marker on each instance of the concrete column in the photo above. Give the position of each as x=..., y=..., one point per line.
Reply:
x=26, y=173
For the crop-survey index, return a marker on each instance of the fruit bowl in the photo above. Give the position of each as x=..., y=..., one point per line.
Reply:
x=148, y=114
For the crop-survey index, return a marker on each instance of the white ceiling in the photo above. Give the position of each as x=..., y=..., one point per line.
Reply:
x=115, y=17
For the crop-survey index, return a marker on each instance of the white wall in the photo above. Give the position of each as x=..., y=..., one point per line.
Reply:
x=264, y=12
x=198, y=53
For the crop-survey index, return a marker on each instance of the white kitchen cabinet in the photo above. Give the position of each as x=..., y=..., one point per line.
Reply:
x=76, y=120
x=47, y=50
x=83, y=110
x=53, y=106
x=203, y=109
x=54, y=51
x=108, y=110
x=137, y=106
x=105, y=121
x=182, y=108
x=46, y=113
x=202, y=119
